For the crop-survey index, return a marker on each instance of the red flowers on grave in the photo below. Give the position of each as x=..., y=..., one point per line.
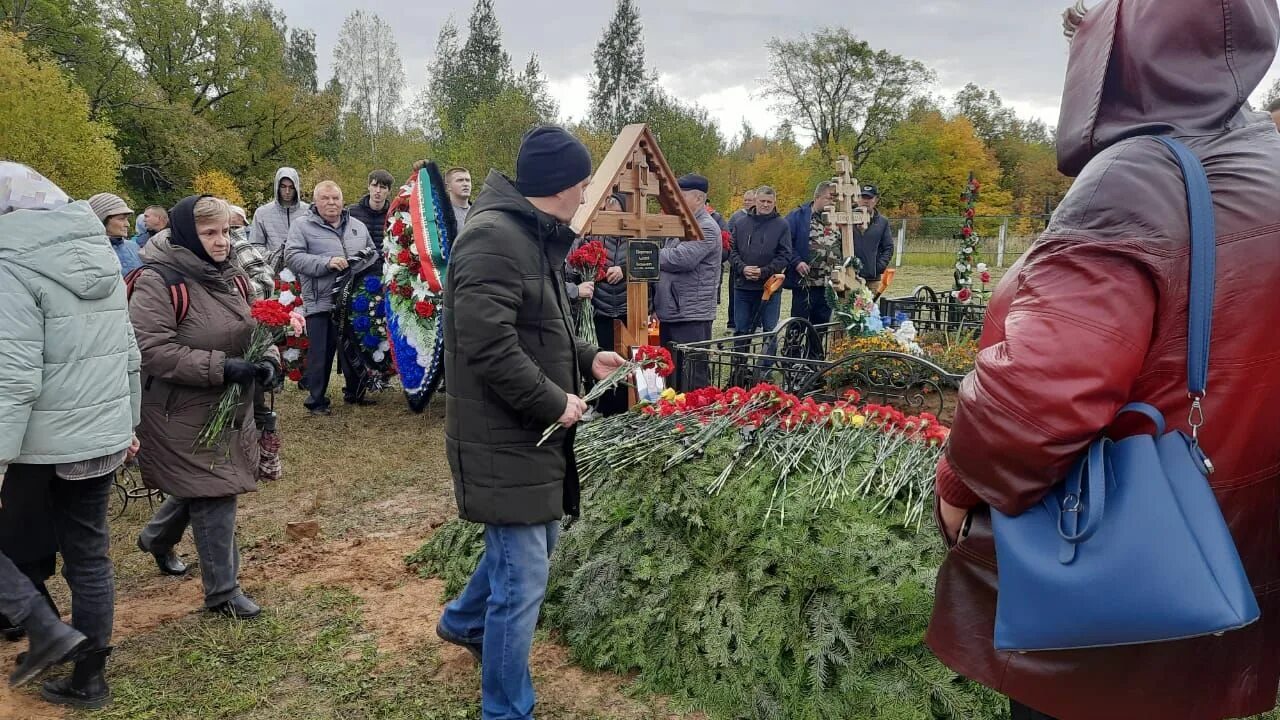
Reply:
x=963, y=295
x=591, y=260
x=405, y=291
x=658, y=359
x=985, y=276
x=424, y=309
x=404, y=257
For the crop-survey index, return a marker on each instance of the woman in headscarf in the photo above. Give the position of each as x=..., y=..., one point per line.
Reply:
x=187, y=362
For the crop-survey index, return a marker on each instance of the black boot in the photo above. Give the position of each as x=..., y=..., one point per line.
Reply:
x=86, y=686
x=239, y=607
x=51, y=642
x=168, y=562
x=10, y=630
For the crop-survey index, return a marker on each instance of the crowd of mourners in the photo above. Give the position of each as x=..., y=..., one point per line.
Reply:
x=118, y=340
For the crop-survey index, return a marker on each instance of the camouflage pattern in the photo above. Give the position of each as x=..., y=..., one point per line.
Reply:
x=826, y=253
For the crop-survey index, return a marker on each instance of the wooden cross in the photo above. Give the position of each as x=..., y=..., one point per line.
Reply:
x=656, y=209
x=846, y=215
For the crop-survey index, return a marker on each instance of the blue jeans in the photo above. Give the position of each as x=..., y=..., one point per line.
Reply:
x=500, y=607
x=750, y=311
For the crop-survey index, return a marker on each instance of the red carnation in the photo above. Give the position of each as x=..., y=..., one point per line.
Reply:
x=404, y=257
x=270, y=313
x=295, y=375
x=424, y=309
x=397, y=228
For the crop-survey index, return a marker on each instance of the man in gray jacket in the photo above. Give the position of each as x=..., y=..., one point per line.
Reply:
x=273, y=221
x=323, y=244
x=70, y=396
x=685, y=302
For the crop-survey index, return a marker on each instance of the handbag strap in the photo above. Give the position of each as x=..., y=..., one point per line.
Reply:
x=1203, y=249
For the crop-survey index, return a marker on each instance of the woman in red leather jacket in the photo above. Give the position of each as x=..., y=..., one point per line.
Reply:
x=1095, y=315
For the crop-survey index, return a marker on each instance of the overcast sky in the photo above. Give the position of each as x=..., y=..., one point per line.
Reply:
x=713, y=51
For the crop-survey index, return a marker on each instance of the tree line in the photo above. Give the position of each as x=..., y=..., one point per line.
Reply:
x=156, y=98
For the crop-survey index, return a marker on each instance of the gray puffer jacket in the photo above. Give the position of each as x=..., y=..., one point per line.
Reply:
x=69, y=364
x=273, y=221
x=313, y=243
x=690, y=275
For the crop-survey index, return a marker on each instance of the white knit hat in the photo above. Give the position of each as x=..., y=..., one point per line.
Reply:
x=105, y=205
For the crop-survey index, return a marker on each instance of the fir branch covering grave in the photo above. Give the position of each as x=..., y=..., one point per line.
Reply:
x=698, y=580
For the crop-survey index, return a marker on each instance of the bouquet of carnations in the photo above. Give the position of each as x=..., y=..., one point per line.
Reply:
x=647, y=357
x=591, y=261
x=273, y=322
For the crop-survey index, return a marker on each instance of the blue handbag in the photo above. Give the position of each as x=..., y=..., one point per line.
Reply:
x=1131, y=547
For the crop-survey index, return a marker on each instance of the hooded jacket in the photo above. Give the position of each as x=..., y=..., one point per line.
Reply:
x=510, y=359
x=272, y=222
x=312, y=243
x=69, y=384
x=690, y=275
x=1109, y=280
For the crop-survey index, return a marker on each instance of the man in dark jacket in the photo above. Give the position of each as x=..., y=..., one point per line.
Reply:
x=873, y=246
x=808, y=300
x=513, y=367
x=748, y=204
x=372, y=208
x=761, y=248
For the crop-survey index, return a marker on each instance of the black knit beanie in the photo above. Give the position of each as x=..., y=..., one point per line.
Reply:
x=182, y=227
x=551, y=160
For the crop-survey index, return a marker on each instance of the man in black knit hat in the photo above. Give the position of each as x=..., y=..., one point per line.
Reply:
x=513, y=367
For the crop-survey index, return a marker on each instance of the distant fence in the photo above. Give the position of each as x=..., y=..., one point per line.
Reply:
x=934, y=241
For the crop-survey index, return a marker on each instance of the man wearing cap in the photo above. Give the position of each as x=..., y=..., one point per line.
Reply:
x=685, y=301
x=873, y=246
x=114, y=214
x=513, y=367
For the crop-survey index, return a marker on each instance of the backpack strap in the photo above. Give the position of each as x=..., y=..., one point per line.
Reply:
x=173, y=281
x=243, y=286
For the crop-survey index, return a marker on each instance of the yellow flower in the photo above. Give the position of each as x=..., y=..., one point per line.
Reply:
x=669, y=394
x=680, y=399
x=858, y=420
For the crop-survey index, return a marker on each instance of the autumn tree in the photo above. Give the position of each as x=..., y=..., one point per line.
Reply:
x=620, y=84
x=925, y=163
x=848, y=95
x=66, y=146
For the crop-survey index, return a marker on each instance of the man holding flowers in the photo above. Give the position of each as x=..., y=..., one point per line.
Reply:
x=513, y=366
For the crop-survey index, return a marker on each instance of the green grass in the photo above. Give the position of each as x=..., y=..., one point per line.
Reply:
x=309, y=657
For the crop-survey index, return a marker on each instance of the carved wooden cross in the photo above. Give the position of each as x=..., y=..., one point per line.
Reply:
x=656, y=209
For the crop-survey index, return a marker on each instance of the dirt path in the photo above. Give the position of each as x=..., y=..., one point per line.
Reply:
x=400, y=608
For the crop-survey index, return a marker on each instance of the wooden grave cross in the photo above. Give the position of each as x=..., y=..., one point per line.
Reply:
x=636, y=169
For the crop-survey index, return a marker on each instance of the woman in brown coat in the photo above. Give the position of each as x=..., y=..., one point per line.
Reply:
x=186, y=364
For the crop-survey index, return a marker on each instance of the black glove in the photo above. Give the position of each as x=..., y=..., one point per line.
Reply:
x=238, y=371
x=266, y=372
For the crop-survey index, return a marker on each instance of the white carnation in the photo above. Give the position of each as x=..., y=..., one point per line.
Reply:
x=379, y=356
x=982, y=267
x=287, y=298
x=292, y=355
x=287, y=275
